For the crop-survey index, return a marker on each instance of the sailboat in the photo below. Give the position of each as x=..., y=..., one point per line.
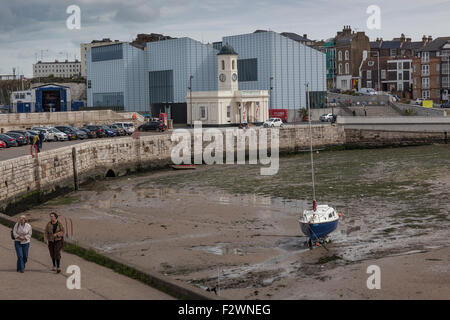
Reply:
x=317, y=223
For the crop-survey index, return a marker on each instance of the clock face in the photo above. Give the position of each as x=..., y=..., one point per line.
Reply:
x=235, y=77
x=222, y=77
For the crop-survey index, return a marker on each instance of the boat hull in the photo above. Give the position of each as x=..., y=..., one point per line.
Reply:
x=317, y=231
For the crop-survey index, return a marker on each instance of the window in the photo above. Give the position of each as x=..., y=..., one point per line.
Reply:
x=369, y=84
x=426, y=94
x=437, y=68
x=203, y=113
x=414, y=68
x=105, y=53
x=223, y=64
x=425, y=83
x=228, y=112
x=248, y=70
x=347, y=55
x=400, y=86
x=161, y=86
x=340, y=68
x=110, y=99
x=425, y=70
x=369, y=74
x=393, y=52
x=425, y=57
x=89, y=84
x=370, y=63
x=347, y=68
x=233, y=65
x=383, y=74
x=339, y=55
x=399, y=66
x=400, y=76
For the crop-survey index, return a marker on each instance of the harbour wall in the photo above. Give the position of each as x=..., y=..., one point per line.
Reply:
x=26, y=181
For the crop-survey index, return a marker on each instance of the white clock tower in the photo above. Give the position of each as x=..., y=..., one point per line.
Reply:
x=227, y=69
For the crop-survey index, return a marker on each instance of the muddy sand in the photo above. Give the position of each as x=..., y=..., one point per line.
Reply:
x=228, y=228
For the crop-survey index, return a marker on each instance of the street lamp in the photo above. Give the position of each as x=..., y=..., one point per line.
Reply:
x=190, y=95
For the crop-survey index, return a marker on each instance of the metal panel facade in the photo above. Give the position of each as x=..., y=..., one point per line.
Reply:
x=290, y=63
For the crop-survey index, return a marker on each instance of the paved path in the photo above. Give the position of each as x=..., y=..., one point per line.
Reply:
x=39, y=282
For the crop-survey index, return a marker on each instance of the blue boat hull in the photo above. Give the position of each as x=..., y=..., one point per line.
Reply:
x=317, y=231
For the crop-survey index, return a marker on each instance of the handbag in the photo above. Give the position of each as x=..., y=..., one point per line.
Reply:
x=12, y=234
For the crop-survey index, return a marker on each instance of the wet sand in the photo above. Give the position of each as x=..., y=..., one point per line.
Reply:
x=226, y=227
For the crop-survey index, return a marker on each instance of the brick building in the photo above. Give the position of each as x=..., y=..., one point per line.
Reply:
x=349, y=48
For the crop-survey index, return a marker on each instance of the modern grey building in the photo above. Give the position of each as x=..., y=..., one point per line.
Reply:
x=158, y=78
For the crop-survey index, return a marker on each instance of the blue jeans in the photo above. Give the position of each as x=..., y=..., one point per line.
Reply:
x=22, y=254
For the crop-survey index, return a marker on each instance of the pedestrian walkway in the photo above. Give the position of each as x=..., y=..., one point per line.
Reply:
x=39, y=282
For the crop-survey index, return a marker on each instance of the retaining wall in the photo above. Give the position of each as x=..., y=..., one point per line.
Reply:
x=26, y=180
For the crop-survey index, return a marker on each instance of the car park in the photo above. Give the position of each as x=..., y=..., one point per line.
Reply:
x=119, y=131
x=153, y=125
x=73, y=133
x=273, y=122
x=108, y=131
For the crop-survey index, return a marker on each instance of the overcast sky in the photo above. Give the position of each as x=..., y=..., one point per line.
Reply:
x=29, y=26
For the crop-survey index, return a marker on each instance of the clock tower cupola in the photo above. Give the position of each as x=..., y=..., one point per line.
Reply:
x=227, y=69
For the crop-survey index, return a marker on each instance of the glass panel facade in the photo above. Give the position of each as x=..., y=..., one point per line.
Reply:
x=110, y=99
x=104, y=53
x=317, y=99
x=248, y=70
x=161, y=86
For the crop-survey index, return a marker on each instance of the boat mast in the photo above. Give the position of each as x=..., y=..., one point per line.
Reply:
x=311, y=146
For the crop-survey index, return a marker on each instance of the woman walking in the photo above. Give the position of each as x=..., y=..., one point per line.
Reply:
x=22, y=237
x=54, y=237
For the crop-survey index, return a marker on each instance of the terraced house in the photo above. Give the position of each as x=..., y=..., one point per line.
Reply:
x=431, y=71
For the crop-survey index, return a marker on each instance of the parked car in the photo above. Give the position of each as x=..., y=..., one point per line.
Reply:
x=368, y=92
x=118, y=130
x=127, y=126
x=20, y=138
x=2, y=144
x=419, y=101
x=90, y=134
x=59, y=136
x=273, y=122
x=27, y=134
x=9, y=141
x=47, y=135
x=97, y=129
x=72, y=133
x=335, y=90
x=445, y=104
x=153, y=125
x=109, y=132
x=326, y=117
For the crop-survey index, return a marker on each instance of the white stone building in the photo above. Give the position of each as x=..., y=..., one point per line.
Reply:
x=64, y=69
x=228, y=105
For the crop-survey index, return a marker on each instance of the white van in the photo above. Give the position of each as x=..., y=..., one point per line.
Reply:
x=127, y=126
x=368, y=92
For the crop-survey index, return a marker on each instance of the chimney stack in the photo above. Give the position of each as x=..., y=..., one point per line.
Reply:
x=424, y=39
x=305, y=36
x=430, y=38
x=402, y=37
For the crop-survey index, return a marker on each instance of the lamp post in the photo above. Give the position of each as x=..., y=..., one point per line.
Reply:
x=190, y=96
x=271, y=88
